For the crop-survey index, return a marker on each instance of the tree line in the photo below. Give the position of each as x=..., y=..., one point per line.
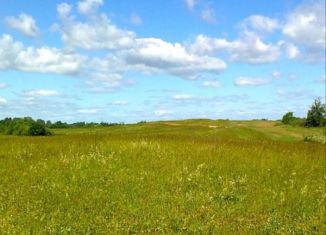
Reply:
x=316, y=116
x=27, y=126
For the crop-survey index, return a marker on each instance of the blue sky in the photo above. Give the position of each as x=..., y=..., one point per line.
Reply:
x=126, y=61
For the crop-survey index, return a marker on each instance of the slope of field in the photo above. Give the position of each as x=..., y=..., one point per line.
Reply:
x=186, y=177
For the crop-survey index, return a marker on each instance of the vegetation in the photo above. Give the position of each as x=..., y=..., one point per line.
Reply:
x=29, y=127
x=185, y=177
x=23, y=126
x=62, y=125
x=317, y=114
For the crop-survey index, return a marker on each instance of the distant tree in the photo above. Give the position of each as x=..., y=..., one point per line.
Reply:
x=59, y=124
x=288, y=118
x=48, y=124
x=40, y=121
x=316, y=116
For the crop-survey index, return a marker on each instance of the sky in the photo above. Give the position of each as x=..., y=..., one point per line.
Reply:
x=127, y=61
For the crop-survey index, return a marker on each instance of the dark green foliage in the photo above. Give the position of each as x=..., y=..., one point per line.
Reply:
x=23, y=126
x=287, y=118
x=290, y=119
x=62, y=125
x=37, y=129
x=59, y=125
x=316, y=116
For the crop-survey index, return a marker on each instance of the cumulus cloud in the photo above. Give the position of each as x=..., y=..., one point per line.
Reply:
x=306, y=26
x=249, y=81
x=157, y=55
x=291, y=51
x=127, y=52
x=24, y=23
x=13, y=55
x=249, y=48
x=96, y=33
x=3, y=85
x=48, y=60
x=89, y=6
x=64, y=10
x=260, y=23
x=8, y=51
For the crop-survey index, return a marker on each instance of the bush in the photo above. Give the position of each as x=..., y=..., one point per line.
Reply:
x=37, y=129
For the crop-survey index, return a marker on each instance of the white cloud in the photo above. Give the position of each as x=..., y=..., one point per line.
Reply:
x=8, y=51
x=48, y=60
x=190, y=4
x=102, y=82
x=260, y=23
x=64, y=10
x=249, y=48
x=88, y=111
x=156, y=55
x=291, y=51
x=98, y=33
x=306, y=26
x=3, y=85
x=13, y=55
x=127, y=52
x=135, y=19
x=248, y=81
x=42, y=93
x=89, y=6
x=208, y=15
x=182, y=97
x=23, y=23
x=3, y=101
x=213, y=84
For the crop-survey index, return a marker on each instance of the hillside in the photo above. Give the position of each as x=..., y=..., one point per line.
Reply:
x=173, y=177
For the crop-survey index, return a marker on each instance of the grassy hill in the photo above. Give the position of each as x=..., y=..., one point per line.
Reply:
x=192, y=176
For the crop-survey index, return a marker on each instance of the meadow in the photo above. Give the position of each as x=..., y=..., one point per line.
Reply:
x=173, y=177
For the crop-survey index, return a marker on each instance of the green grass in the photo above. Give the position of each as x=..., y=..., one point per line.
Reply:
x=185, y=177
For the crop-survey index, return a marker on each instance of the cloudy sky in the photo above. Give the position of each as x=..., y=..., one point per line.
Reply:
x=123, y=60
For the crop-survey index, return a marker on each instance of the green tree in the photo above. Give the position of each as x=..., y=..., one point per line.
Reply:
x=288, y=118
x=316, y=116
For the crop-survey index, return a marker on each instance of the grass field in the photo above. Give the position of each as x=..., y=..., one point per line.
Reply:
x=175, y=177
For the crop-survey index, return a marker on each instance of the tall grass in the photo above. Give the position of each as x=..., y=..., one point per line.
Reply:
x=161, y=179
